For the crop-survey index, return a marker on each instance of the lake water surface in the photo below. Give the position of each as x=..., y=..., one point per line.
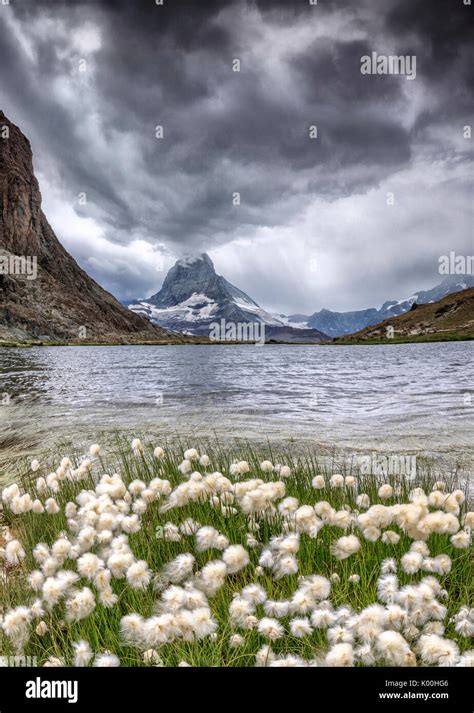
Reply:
x=412, y=397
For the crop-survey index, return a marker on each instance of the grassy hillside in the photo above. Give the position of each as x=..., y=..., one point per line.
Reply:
x=451, y=318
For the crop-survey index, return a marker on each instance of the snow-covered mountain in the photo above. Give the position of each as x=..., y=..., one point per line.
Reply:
x=194, y=296
x=337, y=324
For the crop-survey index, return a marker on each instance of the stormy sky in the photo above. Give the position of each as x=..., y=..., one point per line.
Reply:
x=346, y=220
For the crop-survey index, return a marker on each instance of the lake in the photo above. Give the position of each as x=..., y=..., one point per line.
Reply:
x=408, y=397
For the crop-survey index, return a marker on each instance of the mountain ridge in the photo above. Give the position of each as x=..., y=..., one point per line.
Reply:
x=337, y=324
x=59, y=302
x=193, y=297
x=451, y=317
x=185, y=305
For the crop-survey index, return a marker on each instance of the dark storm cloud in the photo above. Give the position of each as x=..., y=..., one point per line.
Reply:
x=171, y=65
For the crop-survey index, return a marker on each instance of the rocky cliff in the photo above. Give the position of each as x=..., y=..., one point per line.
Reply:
x=44, y=294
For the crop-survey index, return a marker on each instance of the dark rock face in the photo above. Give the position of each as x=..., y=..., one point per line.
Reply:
x=62, y=302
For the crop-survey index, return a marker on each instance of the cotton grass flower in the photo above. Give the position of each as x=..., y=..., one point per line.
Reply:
x=54, y=662
x=180, y=568
x=390, y=537
x=318, y=482
x=106, y=660
x=80, y=605
x=276, y=609
x=185, y=466
x=254, y=593
x=15, y=625
x=235, y=558
x=14, y=552
x=411, y=562
x=435, y=650
x=137, y=446
x=300, y=628
x=340, y=655
x=82, y=653
x=270, y=629
x=393, y=648
x=363, y=501
x=461, y=540
x=385, y=491
x=336, y=481
x=345, y=547
x=51, y=506
x=41, y=628
x=89, y=565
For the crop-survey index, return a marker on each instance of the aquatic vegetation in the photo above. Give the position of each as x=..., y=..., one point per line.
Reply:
x=156, y=558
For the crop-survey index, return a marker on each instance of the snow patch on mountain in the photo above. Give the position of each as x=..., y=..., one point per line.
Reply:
x=196, y=308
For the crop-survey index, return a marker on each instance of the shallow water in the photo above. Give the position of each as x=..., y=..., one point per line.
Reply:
x=409, y=397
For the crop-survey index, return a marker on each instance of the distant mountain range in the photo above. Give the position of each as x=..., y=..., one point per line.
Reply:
x=337, y=324
x=194, y=296
x=452, y=317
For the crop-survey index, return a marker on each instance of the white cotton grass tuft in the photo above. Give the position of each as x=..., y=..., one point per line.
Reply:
x=336, y=481
x=390, y=537
x=438, y=651
x=270, y=628
x=385, y=491
x=137, y=446
x=301, y=627
x=340, y=655
x=393, y=649
x=82, y=653
x=106, y=660
x=363, y=501
x=14, y=552
x=235, y=557
x=345, y=547
x=138, y=575
x=185, y=466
